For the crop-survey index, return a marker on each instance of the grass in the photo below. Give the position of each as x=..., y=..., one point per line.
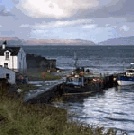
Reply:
x=18, y=118
x=37, y=74
x=26, y=87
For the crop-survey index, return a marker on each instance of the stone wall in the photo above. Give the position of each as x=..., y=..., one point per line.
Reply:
x=37, y=61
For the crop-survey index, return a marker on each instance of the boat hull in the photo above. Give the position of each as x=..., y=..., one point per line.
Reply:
x=89, y=89
x=125, y=80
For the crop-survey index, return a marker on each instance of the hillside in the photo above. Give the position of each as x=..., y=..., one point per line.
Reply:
x=119, y=41
x=11, y=40
x=58, y=42
x=17, y=41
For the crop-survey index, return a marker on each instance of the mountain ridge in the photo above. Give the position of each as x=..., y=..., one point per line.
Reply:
x=113, y=41
x=17, y=41
x=118, y=41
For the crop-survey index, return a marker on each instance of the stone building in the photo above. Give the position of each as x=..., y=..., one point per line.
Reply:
x=39, y=62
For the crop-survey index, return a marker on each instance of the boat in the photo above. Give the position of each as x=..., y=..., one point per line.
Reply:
x=81, y=82
x=127, y=77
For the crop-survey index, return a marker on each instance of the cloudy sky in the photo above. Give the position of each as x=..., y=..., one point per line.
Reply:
x=95, y=20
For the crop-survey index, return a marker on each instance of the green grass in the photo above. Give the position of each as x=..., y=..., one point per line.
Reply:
x=36, y=75
x=26, y=87
x=18, y=118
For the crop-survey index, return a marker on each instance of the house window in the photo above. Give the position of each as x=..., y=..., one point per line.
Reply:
x=6, y=65
x=7, y=55
x=7, y=76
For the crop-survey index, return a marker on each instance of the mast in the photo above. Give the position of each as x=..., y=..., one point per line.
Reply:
x=75, y=60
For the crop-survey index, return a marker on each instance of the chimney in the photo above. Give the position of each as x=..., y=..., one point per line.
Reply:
x=4, y=44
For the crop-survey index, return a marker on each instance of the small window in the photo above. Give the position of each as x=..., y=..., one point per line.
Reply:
x=7, y=55
x=6, y=65
x=7, y=76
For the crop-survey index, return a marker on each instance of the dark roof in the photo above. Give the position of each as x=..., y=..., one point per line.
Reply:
x=14, y=50
x=5, y=42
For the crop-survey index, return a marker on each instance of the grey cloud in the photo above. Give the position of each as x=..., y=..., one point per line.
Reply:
x=15, y=1
x=4, y=12
x=111, y=15
x=11, y=25
x=116, y=9
x=24, y=19
x=122, y=9
x=7, y=32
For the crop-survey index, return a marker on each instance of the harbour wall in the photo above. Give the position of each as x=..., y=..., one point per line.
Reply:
x=56, y=90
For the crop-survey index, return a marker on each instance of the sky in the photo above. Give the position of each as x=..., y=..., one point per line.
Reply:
x=95, y=20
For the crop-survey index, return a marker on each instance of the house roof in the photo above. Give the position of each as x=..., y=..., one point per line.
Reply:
x=14, y=50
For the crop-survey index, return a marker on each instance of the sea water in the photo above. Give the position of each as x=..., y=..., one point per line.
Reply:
x=112, y=108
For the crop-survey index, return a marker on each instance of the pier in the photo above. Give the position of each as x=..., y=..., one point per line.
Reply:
x=46, y=91
x=49, y=90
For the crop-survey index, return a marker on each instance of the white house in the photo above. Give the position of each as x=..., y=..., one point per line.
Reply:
x=13, y=58
x=7, y=73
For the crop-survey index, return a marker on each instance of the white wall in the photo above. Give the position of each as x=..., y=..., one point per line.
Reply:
x=4, y=71
x=13, y=62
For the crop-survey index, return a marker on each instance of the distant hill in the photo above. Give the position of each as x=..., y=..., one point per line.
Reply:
x=119, y=41
x=17, y=41
x=58, y=42
x=11, y=40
